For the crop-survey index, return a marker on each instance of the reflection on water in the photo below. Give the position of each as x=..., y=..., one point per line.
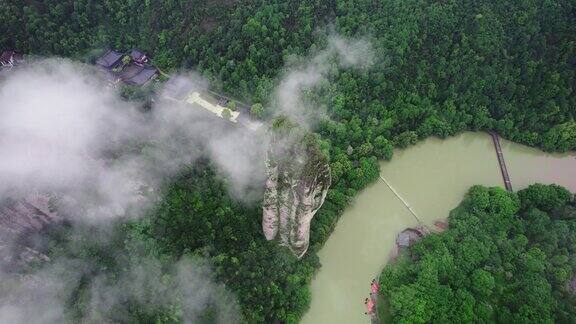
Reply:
x=432, y=177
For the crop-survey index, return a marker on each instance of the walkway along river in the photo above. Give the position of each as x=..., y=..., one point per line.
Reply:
x=432, y=178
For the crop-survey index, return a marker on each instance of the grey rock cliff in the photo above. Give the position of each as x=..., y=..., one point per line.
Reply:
x=21, y=218
x=298, y=178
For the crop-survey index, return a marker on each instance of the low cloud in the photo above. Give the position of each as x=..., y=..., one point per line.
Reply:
x=64, y=131
x=314, y=71
x=188, y=283
x=187, y=289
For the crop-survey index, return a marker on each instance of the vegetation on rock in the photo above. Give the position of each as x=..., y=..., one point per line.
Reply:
x=296, y=186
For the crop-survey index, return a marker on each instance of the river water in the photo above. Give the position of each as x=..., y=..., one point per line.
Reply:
x=432, y=177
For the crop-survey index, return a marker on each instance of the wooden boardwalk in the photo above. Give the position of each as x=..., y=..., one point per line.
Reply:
x=500, y=155
x=496, y=139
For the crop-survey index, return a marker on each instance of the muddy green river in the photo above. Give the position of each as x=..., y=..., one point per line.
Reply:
x=432, y=177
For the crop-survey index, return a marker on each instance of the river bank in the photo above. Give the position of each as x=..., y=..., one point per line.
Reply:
x=432, y=177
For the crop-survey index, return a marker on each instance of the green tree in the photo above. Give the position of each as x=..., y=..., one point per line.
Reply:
x=231, y=105
x=226, y=114
x=383, y=149
x=501, y=260
x=257, y=111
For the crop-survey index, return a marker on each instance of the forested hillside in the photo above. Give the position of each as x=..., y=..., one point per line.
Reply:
x=506, y=258
x=440, y=67
x=449, y=65
x=197, y=219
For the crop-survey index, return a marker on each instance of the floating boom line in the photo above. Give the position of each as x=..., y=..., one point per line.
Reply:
x=375, y=318
x=403, y=201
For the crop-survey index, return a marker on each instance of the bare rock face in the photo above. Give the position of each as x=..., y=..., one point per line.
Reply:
x=21, y=218
x=408, y=237
x=298, y=178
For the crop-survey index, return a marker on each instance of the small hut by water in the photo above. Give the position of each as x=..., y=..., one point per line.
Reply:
x=408, y=237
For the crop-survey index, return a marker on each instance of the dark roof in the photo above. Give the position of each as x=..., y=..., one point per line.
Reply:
x=144, y=75
x=130, y=71
x=109, y=76
x=138, y=56
x=110, y=59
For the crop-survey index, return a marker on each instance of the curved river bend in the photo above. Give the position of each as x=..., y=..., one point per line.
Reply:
x=432, y=177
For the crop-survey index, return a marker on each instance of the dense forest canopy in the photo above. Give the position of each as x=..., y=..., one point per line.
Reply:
x=441, y=67
x=450, y=65
x=506, y=258
x=196, y=219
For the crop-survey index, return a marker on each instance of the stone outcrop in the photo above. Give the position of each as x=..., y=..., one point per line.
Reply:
x=298, y=178
x=408, y=237
x=411, y=235
x=20, y=219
